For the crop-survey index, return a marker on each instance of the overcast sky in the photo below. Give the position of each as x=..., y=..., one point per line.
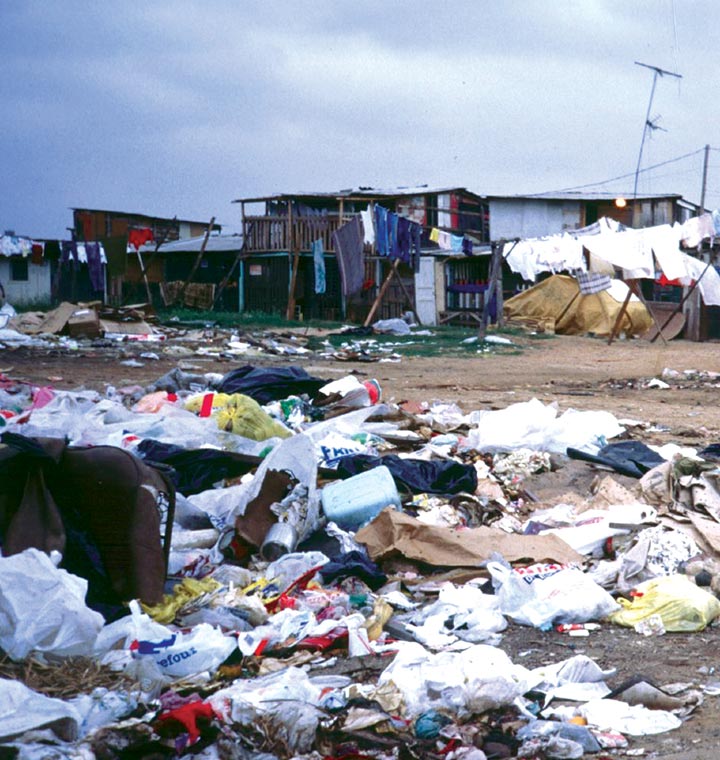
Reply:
x=172, y=107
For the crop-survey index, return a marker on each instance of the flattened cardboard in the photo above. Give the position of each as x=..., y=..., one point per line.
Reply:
x=393, y=532
x=56, y=319
x=125, y=328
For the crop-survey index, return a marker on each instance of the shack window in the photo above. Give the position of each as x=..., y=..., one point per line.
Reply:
x=19, y=269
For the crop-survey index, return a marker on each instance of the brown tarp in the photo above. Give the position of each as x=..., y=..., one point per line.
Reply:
x=558, y=304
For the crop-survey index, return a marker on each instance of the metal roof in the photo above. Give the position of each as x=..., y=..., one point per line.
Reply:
x=192, y=245
x=141, y=215
x=361, y=193
x=578, y=196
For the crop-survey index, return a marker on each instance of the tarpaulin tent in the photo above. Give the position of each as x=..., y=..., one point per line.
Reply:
x=559, y=305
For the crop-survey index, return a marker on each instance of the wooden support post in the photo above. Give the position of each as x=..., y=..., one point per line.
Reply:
x=408, y=300
x=198, y=259
x=499, y=300
x=679, y=307
x=569, y=304
x=144, y=275
x=381, y=293
x=294, y=251
x=225, y=280
x=635, y=288
x=495, y=275
x=618, y=320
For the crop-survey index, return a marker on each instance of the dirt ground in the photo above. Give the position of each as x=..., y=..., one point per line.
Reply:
x=574, y=372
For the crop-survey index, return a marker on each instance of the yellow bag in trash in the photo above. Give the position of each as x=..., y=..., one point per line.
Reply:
x=682, y=605
x=243, y=415
x=195, y=403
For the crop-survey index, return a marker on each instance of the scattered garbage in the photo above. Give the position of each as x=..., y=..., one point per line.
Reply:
x=271, y=564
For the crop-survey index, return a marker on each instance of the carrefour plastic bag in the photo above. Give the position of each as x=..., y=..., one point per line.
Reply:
x=543, y=594
x=187, y=654
x=681, y=604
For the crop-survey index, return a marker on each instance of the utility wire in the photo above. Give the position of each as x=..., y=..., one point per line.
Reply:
x=622, y=176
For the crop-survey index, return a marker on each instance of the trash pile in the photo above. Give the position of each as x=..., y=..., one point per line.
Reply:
x=268, y=564
x=82, y=326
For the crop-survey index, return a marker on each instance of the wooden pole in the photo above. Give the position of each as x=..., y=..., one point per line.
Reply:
x=225, y=280
x=381, y=293
x=678, y=308
x=621, y=314
x=495, y=268
x=407, y=296
x=295, y=252
x=704, y=179
x=198, y=259
x=144, y=274
x=638, y=292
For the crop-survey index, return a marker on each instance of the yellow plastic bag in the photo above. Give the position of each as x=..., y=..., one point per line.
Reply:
x=243, y=416
x=194, y=403
x=682, y=606
x=186, y=591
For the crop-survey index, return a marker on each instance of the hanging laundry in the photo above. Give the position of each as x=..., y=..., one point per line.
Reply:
x=708, y=280
x=434, y=234
x=95, y=266
x=520, y=259
x=393, y=249
x=444, y=240
x=467, y=246
x=415, y=244
x=37, y=253
x=403, y=239
x=381, y=231
x=11, y=245
x=318, y=252
x=695, y=230
x=623, y=249
x=69, y=253
x=456, y=243
x=139, y=237
x=716, y=222
x=592, y=282
x=665, y=243
x=348, y=242
x=368, y=226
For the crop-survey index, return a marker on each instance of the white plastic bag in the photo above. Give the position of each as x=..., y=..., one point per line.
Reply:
x=22, y=709
x=460, y=683
x=42, y=608
x=636, y=720
x=284, y=703
x=533, y=425
x=186, y=654
x=542, y=594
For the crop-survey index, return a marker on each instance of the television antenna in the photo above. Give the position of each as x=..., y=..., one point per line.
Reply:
x=650, y=124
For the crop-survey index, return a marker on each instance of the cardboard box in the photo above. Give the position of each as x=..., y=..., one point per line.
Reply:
x=84, y=323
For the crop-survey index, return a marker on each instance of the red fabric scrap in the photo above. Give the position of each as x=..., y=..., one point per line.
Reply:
x=187, y=716
x=139, y=237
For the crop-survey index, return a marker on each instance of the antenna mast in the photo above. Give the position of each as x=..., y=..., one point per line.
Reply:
x=649, y=124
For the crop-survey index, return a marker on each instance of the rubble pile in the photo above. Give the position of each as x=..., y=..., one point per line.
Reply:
x=265, y=563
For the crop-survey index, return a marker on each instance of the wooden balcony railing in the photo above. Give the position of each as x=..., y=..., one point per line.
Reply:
x=273, y=233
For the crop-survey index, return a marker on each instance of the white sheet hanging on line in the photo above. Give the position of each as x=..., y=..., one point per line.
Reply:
x=552, y=254
x=622, y=249
x=368, y=225
x=665, y=243
x=696, y=229
x=709, y=285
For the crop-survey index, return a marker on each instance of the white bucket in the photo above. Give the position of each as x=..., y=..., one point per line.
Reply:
x=353, y=502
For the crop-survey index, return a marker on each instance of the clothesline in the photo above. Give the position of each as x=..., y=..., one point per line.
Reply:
x=639, y=253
